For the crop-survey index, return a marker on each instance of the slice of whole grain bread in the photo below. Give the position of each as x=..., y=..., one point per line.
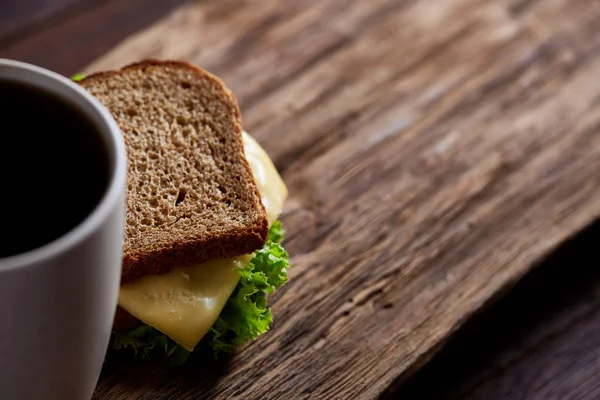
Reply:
x=191, y=196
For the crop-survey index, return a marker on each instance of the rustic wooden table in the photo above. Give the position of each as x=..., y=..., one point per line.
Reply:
x=444, y=166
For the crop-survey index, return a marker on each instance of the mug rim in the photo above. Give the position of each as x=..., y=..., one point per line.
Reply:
x=111, y=134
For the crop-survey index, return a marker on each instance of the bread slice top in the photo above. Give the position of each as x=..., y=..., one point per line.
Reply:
x=191, y=195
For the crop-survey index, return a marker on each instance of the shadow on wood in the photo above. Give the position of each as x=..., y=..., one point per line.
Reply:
x=201, y=371
x=551, y=312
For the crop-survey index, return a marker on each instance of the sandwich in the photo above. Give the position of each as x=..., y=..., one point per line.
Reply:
x=202, y=245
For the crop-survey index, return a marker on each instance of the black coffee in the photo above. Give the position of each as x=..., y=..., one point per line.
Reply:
x=54, y=167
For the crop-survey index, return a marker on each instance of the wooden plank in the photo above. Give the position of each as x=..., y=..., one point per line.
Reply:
x=538, y=343
x=435, y=152
x=18, y=15
x=66, y=40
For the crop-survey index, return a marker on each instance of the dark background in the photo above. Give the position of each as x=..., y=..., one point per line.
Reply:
x=66, y=35
x=542, y=341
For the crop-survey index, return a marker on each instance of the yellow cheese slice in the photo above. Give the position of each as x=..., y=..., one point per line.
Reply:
x=185, y=303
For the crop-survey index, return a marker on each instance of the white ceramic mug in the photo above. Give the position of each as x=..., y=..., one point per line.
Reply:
x=58, y=301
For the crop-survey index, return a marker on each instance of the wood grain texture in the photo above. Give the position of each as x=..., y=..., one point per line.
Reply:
x=17, y=15
x=435, y=152
x=65, y=35
x=538, y=343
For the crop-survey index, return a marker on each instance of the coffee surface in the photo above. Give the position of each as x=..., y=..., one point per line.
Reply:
x=54, y=167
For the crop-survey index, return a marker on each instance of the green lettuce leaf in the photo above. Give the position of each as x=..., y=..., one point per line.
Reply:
x=145, y=343
x=245, y=316
x=77, y=77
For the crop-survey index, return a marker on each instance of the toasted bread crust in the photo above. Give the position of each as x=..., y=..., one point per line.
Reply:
x=196, y=247
x=137, y=264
